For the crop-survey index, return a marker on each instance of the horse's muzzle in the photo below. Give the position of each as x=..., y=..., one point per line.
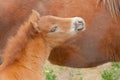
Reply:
x=78, y=24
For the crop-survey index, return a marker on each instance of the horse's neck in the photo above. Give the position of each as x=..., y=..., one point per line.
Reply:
x=35, y=54
x=29, y=65
x=26, y=48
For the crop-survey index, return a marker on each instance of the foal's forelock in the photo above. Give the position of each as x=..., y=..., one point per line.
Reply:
x=113, y=6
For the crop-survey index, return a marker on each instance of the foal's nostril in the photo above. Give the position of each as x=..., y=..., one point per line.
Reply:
x=80, y=22
x=79, y=25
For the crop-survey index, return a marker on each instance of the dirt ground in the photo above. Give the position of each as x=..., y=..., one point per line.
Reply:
x=94, y=73
x=65, y=73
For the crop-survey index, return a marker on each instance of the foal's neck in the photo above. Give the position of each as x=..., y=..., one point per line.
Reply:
x=29, y=65
x=26, y=48
x=35, y=54
x=26, y=52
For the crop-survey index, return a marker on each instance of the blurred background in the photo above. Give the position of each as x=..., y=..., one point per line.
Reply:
x=108, y=71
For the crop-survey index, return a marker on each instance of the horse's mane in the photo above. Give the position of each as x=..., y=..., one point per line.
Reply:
x=113, y=6
x=16, y=43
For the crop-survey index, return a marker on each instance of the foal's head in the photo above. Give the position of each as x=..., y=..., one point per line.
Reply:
x=56, y=29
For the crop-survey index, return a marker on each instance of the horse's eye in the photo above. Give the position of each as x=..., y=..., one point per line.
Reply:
x=53, y=29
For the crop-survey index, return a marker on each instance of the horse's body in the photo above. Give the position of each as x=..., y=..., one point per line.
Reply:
x=25, y=53
x=101, y=40
x=13, y=13
x=97, y=45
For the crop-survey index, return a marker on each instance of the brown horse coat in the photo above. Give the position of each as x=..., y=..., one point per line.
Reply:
x=98, y=44
x=101, y=40
x=13, y=13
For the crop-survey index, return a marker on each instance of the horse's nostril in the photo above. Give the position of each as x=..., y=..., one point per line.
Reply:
x=80, y=22
x=79, y=25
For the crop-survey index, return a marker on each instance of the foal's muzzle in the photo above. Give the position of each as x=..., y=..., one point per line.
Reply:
x=78, y=24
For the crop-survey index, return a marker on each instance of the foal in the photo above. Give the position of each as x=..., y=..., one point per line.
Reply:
x=30, y=47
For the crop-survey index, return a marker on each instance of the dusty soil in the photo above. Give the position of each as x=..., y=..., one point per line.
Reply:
x=65, y=73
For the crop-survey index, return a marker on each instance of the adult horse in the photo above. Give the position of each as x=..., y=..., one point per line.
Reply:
x=101, y=40
x=100, y=43
x=97, y=45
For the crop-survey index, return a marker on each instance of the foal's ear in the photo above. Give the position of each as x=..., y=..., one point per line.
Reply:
x=35, y=13
x=35, y=16
x=36, y=27
x=35, y=20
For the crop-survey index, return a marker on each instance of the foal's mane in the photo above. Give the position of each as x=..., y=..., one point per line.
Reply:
x=16, y=43
x=113, y=6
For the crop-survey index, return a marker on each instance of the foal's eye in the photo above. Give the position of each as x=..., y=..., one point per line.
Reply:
x=54, y=29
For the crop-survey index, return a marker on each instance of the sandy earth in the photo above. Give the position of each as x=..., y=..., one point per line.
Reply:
x=64, y=73
x=94, y=73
